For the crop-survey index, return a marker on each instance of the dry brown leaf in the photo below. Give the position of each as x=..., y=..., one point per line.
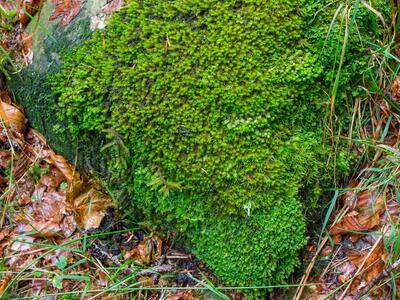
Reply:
x=88, y=204
x=354, y=222
x=374, y=270
x=13, y=118
x=5, y=157
x=183, y=295
x=374, y=263
x=52, y=180
x=347, y=269
x=395, y=88
x=112, y=6
x=148, y=250
x=367, y=201
x=4, y=282
x=27, y=42
x=64, y=167
x=327, y=250
x=66, y=9
x=22, y=244
x=4, y=233
x=28, y=8
x=24, y=199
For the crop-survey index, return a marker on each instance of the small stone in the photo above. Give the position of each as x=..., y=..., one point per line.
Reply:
x=115, y=250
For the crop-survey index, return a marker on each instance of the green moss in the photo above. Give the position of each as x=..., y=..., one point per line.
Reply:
x=220, y=105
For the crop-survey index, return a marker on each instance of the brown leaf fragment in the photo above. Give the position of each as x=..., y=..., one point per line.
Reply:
x=64, y=167
x=148, y=250
x=24, y=199
x=5, y=157
x=52, y=180
x=4, y=233
x=4, y=282
x=13, y=118
x=374, y=263
x=112, y=6
x=355, y=222
x=367, y=200
x=88, y=203
x=66, y=9
x=183, y=295
x=326, y=251
x=22, y=243
x=395, y=89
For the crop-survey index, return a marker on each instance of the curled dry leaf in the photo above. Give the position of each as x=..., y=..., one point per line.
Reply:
x=112, y=6
x=183, y=295
x=148, y=250
x=395, y=88
x=13, y=118
x=374, y=264
x=354, y=222
x=88, y=203
x=66, y=9
x=4, y=282
x=64, y=167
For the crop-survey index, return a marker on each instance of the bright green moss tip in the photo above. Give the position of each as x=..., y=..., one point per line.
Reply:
x=220, y=105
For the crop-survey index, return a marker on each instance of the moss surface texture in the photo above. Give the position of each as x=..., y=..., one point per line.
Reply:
x=215, y=113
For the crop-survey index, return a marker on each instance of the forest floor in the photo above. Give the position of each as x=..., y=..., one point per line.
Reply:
x=61, y=236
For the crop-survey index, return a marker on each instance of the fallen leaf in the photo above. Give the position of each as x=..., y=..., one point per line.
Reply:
x=369, y=201
x=326, y=251
x=112, y=6
x=4, y=282
x=13, y=118
x=148, y=250
x=395, y=89
x=354, y=222
x=22, y=244
x=183, y=295
x=52, y=180
x=66, y=9
x=88, y=204
x=374, y=262
x=64, y=167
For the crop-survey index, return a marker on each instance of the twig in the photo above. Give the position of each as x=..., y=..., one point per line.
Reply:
x=154, y=270
x=383, y=274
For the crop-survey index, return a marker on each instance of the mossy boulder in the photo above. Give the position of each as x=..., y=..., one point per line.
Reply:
x=50, y=40
x=214, y=112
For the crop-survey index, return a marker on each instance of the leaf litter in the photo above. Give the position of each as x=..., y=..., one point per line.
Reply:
x=359, y=258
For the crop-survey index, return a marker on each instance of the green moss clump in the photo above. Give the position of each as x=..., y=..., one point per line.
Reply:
x=220, y=105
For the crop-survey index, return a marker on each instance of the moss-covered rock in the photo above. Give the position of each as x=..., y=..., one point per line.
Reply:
x=220, y=105
x=30, y=85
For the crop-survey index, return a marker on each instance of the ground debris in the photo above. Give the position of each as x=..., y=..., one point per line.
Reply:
x=361, y=250
x=67, y=10
x=64, y=224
